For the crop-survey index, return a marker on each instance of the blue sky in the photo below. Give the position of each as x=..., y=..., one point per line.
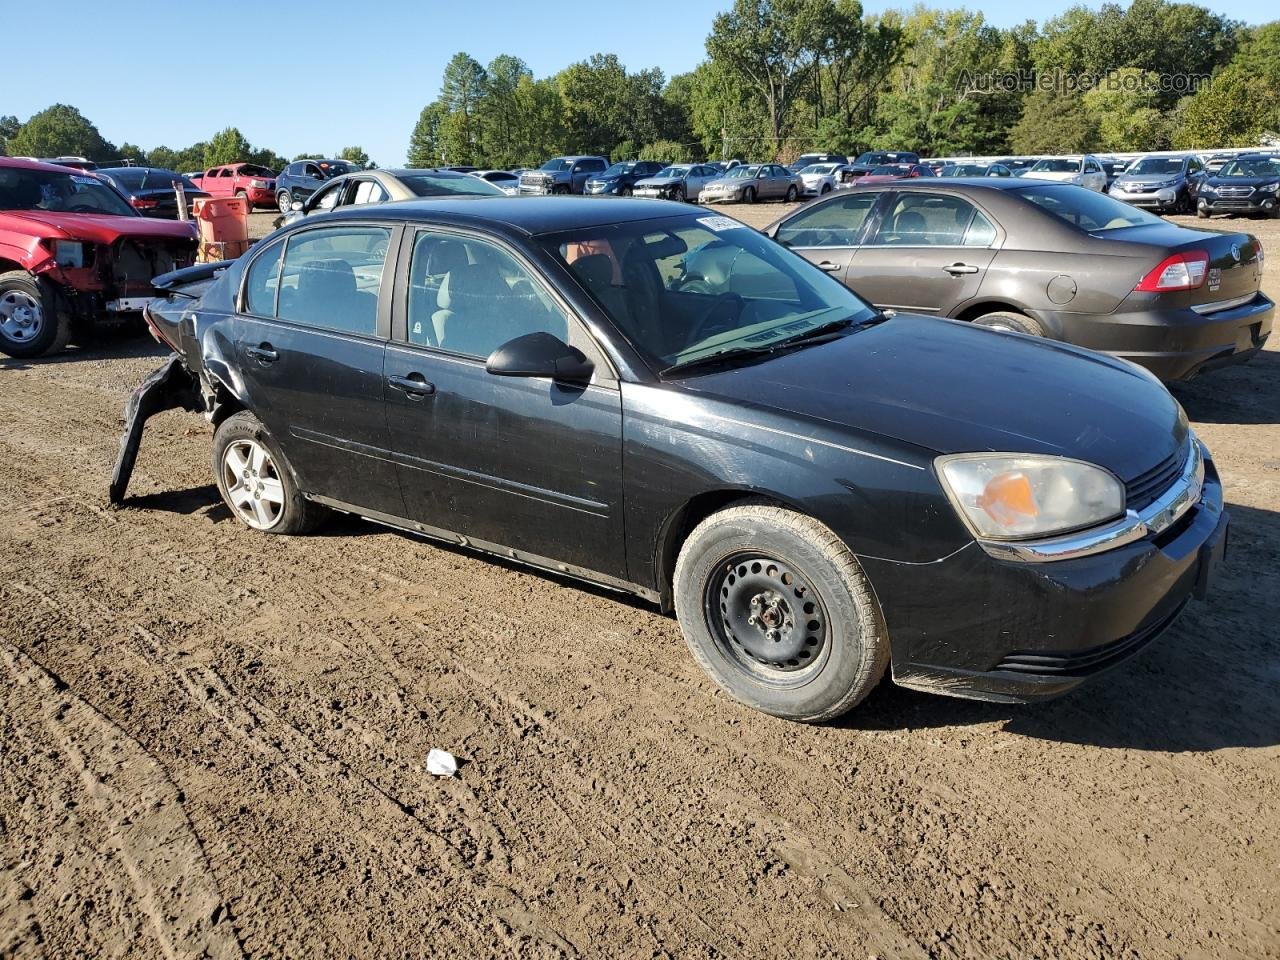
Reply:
x=354, y=73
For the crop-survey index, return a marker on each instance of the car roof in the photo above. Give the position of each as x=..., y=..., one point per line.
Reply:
x=24, y=164
x=529, y=215
x=973, y=183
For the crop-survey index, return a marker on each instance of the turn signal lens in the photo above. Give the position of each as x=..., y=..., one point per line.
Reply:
x=1182, y=271
x=1012, y=496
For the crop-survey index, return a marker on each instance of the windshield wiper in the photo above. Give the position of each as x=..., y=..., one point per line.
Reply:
x=715, y=359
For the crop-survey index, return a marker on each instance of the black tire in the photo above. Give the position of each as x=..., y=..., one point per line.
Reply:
x=679, y=195
x=791, y=194
x=284, y=202
x=1202, y=213
x=625, y=191
x=248, y=204
x=826, y=188
x=749, y=195
x=296, y=514
x=805, y=573
x=32, y=323
x=1008, y=320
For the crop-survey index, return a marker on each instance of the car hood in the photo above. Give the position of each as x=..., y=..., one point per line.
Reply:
x=948, y=387
x=658, y=181
x=1240, y=181
x=1061, y=176
x=1146, y=178
x=96, y=228
x=729, y=181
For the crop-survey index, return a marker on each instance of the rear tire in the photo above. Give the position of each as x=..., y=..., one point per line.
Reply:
x=31, y=322
x=255, y=481
x=818, y=645
x=1010, y=321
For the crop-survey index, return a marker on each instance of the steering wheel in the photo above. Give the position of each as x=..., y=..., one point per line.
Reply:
x=720, y=316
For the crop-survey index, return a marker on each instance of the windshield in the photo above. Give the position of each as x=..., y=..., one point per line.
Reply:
x=253, y=170
x=618, y=169
x=1157, y=165
x=440, y=185
x=820, y=168
x=738, y=173
x=336, y=168
x=556, y=165
x=68, y=192
x=672, y=173
x=1090, y=211
x=964, y=170
x=683, y=288
x=1252, y=167
x=145, y=178
x=1056, y=166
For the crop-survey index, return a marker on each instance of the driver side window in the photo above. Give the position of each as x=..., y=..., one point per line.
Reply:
x=833, y=224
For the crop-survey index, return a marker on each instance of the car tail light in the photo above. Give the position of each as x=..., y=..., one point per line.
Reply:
x=1182, y=271
x=143, y=203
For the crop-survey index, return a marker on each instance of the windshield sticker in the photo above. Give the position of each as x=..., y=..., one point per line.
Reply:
x=88, y=181
x=719, y=223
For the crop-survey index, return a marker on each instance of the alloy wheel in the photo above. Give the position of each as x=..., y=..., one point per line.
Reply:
x=252, y=482
x=21, y=317
x=284, y=201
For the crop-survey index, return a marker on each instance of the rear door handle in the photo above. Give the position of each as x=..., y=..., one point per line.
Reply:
x=830, y=267
x=263, y=353
x=956, y=269
x=415, y=385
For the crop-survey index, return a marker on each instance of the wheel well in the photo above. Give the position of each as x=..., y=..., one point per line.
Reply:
x=7, y=265
x=991, y=306
x=681, y=525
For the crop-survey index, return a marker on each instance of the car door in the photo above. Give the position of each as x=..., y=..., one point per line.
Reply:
x=827, y=234
x=1195, y=177
x=528, y=464
x=928, y=253
x=1093, y=177
x=779, y=179
x=310, y=345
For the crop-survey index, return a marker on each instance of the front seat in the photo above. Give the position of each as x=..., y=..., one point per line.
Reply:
x=472, y=311
x=910, y=227
x=327, y=296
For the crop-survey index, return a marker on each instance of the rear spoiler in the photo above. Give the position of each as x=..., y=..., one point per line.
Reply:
x=173, y=281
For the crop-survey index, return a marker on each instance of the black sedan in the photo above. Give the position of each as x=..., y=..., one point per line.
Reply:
x=1045, y=259
x=151, y=190
x=668, y=403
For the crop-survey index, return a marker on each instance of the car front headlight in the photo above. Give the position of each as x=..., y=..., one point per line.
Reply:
x=68, y=253
x=1269, y=187
x=1018, y=496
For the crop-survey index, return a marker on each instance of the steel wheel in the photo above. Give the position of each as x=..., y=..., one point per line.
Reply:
x=767, y=619
x=252, y=482
x=21, y=316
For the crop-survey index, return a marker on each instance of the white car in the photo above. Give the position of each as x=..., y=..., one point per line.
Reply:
x=1085, y=171
x=821, y=178
x=505, y=181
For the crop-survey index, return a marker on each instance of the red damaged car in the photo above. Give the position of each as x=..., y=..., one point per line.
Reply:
x=72, y=251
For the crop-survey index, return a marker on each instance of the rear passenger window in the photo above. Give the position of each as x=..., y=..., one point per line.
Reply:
x=330, y=278
x=928, y=220
x=832, y=224
x=262, y=281
x=469, y=296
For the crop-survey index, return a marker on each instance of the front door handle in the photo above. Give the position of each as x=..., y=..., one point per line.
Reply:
x=830, y=267
x=263, y=353
x=956, y=269
x=415, y=386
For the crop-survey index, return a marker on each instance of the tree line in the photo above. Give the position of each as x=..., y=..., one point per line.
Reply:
x=782, y=77
x=62, y=131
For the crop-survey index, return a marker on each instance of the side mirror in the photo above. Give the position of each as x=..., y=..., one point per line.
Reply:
x=539, y=355
x=295, y=206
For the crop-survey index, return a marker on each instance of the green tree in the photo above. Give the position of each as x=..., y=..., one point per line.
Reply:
x=498, y=112
x=357, y=156
x=131, y=151
x=226, y=146
x=425, y=148
x=1124, y=111
x=461, y=91
x=666, y=151
x=1053, y=121
x=57, y=131
x=9, y=127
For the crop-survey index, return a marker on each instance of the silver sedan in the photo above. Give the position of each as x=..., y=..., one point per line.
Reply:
x=758, y=181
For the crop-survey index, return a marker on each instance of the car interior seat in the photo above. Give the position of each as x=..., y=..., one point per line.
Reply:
x=327, y=296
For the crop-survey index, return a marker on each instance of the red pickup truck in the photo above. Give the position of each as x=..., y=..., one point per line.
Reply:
x=248, y=180
x=73, y=251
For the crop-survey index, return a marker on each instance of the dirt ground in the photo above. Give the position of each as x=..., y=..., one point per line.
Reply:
x=214, y=743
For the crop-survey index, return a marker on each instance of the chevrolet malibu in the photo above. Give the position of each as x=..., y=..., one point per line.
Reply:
x=669, y=404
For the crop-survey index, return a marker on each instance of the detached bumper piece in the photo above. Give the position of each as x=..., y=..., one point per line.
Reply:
x=169, y=387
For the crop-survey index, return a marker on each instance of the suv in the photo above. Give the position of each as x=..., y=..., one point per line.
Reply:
x=621, y=177
x=1166, y=184
x=71, y=251
x=868, y=161
x=254, y=184
x=1248, y=183
x=302, y=178
x=562, y=175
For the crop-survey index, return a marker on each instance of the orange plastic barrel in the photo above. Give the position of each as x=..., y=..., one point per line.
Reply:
x=222, y=219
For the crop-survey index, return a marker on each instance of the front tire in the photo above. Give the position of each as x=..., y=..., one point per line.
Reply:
x=31, y=323
x=749, y=195
x=284, y=201
x=791, y=194
x=776, y=609
x=248, y=204
x=255, y=481
x=1202, y=213
x=1010, y=322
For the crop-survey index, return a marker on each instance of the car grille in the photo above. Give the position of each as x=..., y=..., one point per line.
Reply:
x=1147, y=488
x=1079, y=663
x=1235, y=191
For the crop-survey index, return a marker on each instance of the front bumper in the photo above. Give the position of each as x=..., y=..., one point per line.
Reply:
x=261, y=196
x=1264, y=203
x=1176, y=344
x=1162, y=199
x=717, y=197
x=972, y=625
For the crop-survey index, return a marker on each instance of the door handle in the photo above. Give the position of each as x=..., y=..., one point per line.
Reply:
x=830, y=267
x=415, y=386
x=956, y=269
x=263, y=353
